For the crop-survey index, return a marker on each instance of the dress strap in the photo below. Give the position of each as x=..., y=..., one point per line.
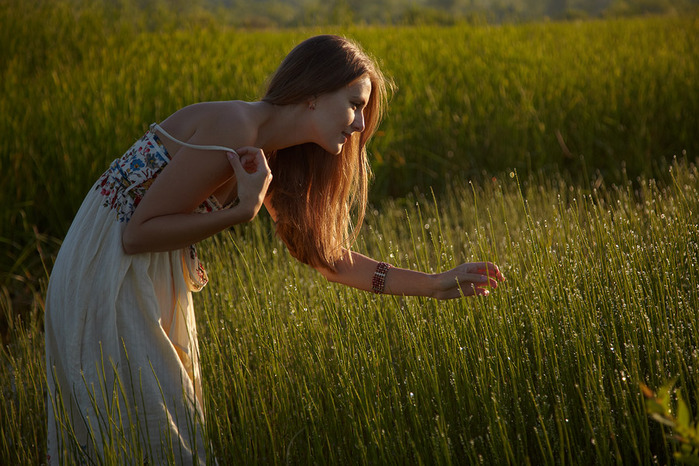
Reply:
x=155, y=126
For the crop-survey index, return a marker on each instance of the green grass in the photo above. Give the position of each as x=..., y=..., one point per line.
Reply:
x=77, y=90
x=601, y=295
x=567, y=132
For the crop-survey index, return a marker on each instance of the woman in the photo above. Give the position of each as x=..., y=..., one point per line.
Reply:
x=121, y=344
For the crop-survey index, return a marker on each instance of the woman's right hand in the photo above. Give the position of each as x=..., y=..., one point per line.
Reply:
x=469, y=279
x=253, y=176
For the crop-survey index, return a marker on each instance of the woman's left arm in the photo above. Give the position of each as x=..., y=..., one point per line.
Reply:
x=472, y=278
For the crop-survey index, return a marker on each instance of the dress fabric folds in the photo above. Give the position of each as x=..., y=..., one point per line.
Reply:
x=121, y=343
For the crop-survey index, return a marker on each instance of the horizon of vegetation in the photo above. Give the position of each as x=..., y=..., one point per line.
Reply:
x=294, y=13
x=256, y=14
x=550, y=150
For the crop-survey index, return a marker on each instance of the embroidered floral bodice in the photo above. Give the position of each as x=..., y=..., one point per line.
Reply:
x=126, y=181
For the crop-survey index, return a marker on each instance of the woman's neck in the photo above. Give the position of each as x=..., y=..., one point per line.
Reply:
x=281, y=126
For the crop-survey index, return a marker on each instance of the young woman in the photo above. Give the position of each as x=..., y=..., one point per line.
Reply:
x=121, y=343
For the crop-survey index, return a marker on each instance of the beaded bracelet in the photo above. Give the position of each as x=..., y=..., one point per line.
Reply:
x=379, y=281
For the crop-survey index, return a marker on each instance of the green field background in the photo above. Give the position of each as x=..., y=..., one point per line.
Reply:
x=602, y=101
x=563, y=151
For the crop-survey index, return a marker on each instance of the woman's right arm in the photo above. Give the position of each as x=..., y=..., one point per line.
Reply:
x=468, y=279
x=357, y=271
x=165, y=219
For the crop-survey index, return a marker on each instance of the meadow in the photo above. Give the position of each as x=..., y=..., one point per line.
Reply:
x=563, y=152
x=601, y=295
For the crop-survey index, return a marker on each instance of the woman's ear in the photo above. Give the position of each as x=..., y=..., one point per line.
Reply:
x=312, y=103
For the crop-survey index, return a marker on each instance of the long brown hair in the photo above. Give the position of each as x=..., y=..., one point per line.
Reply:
x=314, y=192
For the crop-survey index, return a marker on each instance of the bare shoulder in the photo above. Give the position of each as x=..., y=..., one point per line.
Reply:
x=226, y=123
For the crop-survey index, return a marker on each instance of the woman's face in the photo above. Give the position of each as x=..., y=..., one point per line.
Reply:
x=340, y=113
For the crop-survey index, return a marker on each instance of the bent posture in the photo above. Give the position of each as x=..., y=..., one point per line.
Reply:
x=121, y=344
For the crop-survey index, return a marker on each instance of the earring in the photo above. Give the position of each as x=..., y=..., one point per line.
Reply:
x=312, y=107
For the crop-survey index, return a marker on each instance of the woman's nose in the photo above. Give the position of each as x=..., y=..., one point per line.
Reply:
x=358, y=123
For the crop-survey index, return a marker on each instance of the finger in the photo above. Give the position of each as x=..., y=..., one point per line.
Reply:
x=489, y=281
x=474, y=290
x=254, y=159
x=245, y=150
x=249, y=163
x=490, y=269
x=484, y=267
x=234, y=160
x=255, y=152
x=263, y=160
x=247, y=158
x=479, y=280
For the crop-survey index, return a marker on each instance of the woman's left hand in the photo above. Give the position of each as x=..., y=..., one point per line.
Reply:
x=471, y=278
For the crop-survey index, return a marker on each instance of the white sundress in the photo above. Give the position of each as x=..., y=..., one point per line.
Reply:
x=121, y=343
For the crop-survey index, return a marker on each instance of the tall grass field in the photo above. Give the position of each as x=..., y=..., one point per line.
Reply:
x=564, y=152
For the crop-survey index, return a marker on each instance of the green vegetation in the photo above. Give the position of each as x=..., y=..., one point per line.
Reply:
x=601, y=295
x=684, y=426
x=598, y=240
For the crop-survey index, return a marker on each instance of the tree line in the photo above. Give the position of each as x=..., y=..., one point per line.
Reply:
x=295, y=13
